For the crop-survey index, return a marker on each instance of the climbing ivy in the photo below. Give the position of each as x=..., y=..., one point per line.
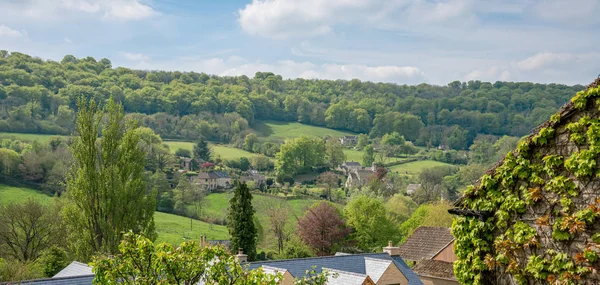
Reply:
x=535, y=178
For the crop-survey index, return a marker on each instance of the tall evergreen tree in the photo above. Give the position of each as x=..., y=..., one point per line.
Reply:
x=240, y=221
x=202, y=151
x=106, y=191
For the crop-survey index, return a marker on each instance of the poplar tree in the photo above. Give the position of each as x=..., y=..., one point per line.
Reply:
x=106, y=192
x=240, y=221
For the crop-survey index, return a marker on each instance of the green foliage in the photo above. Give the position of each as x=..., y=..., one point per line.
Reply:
x=518, y=184
x=202, y=151
x=371, y=226
x=54, y=260
x=433, y=215
x=299, y=155
x=139, y=261
x=106, y=192
x=240, y=221
x=368, y=155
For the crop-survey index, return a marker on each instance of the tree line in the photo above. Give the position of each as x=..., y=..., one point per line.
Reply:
x=40, y=96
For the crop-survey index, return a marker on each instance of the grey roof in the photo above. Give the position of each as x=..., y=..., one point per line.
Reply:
x=204, y=175
x=222, y=174
x=74, y=269
x=352, y=163
x=346, y=278
x=354, y=263
x=73, y=280
x=413, y=187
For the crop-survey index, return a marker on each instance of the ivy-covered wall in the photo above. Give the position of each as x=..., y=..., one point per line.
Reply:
x=536, y=216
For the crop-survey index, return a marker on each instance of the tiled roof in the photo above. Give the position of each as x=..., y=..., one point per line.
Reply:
x=425, y=243
x=435, y=268
x=74, y=269
x=73, y=280
x=354, y=263
x=351, y=163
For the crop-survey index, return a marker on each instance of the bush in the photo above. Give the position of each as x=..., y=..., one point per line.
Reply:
x=54, y=260
x=165, y=202
x=182, y=152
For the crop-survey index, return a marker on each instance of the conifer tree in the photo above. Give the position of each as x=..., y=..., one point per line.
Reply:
x=240, y=221
x=201, y=150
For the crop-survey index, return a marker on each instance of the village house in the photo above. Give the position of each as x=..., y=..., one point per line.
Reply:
x=351, y=269
x=186, y=164
x=223, y=179
x=349, y=140
x=432, y=249
x=206, y=179
x=350, y=166
x=386, y=268
x=412, y=188
x=359, y=178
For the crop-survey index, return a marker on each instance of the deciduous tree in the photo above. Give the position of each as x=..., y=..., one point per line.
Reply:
x=368, y=219
x=106, y=192
x=323, y=228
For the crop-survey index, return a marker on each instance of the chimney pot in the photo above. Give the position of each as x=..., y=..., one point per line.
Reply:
x=391, y=249
x=241, y=257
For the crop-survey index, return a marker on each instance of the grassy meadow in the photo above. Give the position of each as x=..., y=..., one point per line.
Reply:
x=224, y=151
x=279, y=131
x=415, y=168
x=29, y=137
x=170, y=228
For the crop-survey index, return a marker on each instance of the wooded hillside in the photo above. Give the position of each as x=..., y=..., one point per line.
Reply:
x=39, y=96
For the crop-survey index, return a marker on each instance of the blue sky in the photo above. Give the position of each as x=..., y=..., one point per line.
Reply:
x=400, y=41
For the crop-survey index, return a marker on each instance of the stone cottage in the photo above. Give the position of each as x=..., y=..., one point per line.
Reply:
x=535, y=217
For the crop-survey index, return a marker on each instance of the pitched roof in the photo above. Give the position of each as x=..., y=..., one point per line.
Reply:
x=352, y=163
x=203, y=175
x=425, y=243
x=346, y=278
x=222, y=174
x=354, y=263
x=74, y=269
x=72, y=280
x=435, y=268
x=413, y=187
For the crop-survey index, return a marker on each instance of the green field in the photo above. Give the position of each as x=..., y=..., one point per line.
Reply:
x=217, y=204
x=29, y=137
x=170, y=228
x=279, y=131
x=10, y=194
x=175, y=229
x=414, y=168
x=225, y=152
x=357, y=155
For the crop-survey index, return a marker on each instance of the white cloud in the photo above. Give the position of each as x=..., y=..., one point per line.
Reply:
x=58, y=10
x=235, y=65
x=6, y=31
x=67, y=40
x=135, y=56
x=491, y=74
x=553, y=60
x=567, y=10
x=285, y=18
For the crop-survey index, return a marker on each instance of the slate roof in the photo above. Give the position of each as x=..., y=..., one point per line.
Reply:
x=435, y=268
x=204, y=175
x=74, y=269
x=347, y=278
x=73, y=280
x=354, y=263
x=221, y=174
x=352, y=163
x=425, y=243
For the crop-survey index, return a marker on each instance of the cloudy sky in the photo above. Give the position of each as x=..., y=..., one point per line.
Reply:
x=401, y=41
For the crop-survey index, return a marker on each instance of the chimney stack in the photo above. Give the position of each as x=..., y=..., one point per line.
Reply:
x=392, y=250
x=241, y=257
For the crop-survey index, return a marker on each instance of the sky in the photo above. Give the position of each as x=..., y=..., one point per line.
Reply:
x=398, y=41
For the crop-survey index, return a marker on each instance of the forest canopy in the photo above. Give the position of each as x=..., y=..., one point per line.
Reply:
x=39, y=96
